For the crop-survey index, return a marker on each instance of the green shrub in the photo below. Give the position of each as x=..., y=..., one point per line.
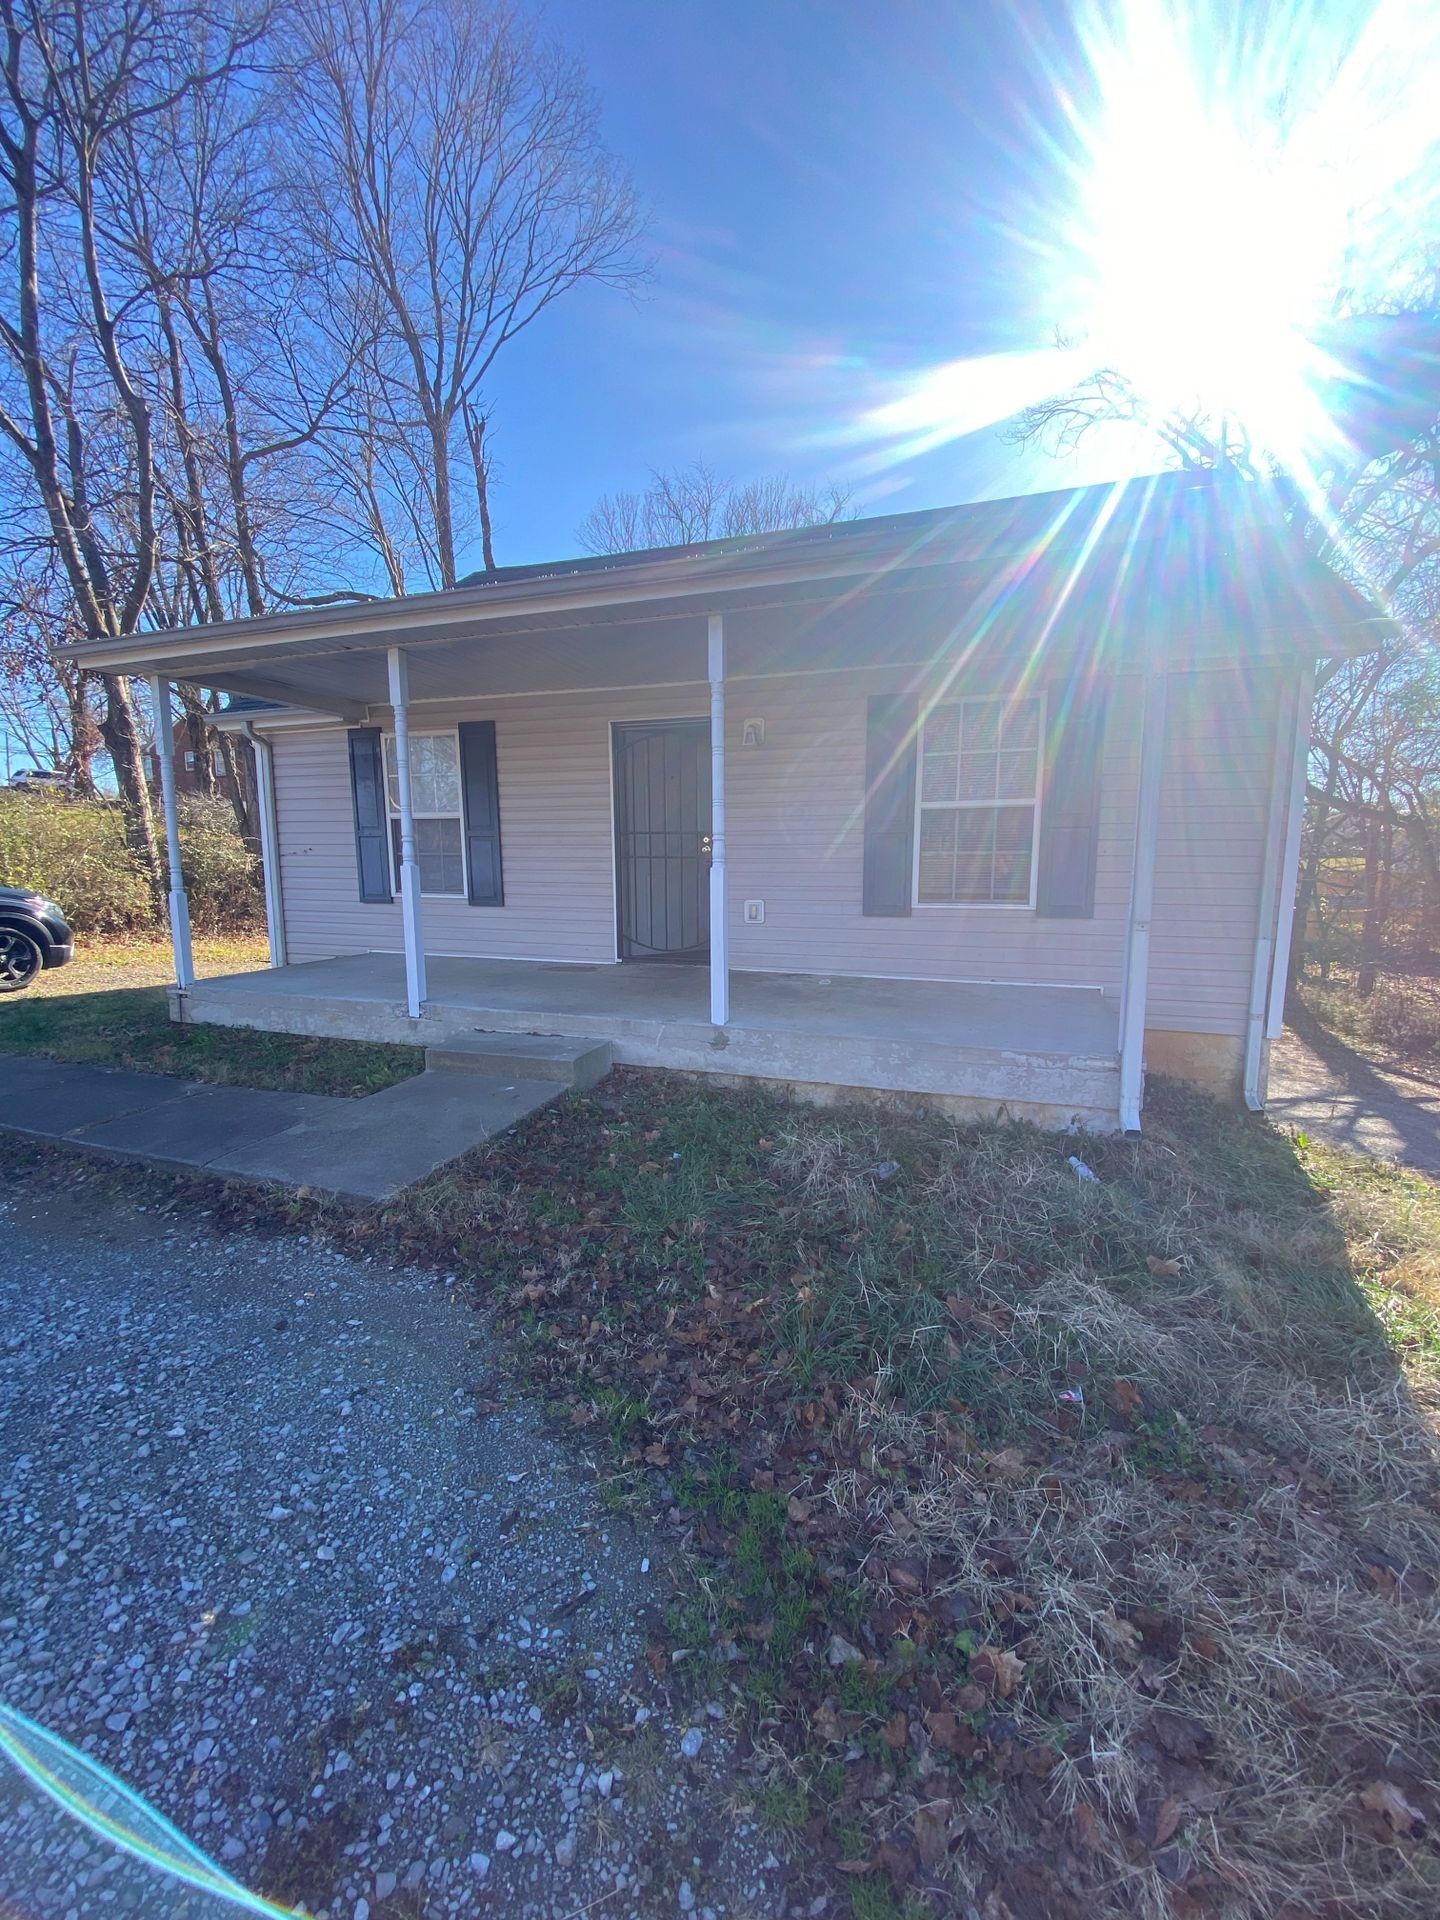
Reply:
x=222, y=877
x=76, y=852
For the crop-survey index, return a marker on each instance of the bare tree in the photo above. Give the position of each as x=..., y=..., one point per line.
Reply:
x=84, y=83
x=458, y=181
x=683, y=505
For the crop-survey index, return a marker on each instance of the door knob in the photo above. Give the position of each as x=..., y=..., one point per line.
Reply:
x=706, y=843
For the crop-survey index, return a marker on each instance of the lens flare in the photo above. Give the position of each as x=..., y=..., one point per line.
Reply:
x=177, y=1879
x=1244, y=196
x=1239, y=197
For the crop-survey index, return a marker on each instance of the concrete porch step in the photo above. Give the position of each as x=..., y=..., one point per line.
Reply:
x=575, y=1061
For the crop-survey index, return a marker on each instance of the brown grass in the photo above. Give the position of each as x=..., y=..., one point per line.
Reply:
x=1271, y=1578
x=1219, y=1572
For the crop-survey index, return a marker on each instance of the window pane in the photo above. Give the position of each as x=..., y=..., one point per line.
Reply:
x=977, y=776
x=937, y=830
x=937, y=776
x=942, y=730
x=982, y=725
x=434, y=773
x=438, y=851
x=1017, y=775
x=1012, y=877
x=972, y=877
x=974, y=830
x=976, y=854
x=392, y=778
x=439, y=854
x=1014, y=827
x=937, y=876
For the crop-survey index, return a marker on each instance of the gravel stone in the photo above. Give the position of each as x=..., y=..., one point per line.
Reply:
x=235, y=1472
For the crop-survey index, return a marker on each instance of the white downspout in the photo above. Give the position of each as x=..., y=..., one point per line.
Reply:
x=269, y=844
x=1281, y=770
x=179, y=905
x=1142, y=900
x=1290, y=861
x=719, y=924
x=399, y=666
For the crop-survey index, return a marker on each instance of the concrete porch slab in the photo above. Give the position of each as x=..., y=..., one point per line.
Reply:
x=1049, y=1054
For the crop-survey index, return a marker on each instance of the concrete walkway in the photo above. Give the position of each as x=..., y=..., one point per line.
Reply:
x=1329, y=1091
x=359, y=1149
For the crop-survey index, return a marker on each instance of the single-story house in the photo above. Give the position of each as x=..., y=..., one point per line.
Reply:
x=994, y=806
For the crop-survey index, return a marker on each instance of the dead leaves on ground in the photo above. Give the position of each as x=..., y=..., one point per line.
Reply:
x=920, y=1705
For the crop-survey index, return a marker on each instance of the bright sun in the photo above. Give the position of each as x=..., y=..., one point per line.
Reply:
x=1241, y=179
x=1236, y=201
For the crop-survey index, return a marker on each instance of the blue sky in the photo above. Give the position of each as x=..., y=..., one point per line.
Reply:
x=841, y=195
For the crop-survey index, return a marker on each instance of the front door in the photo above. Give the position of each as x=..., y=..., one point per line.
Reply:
x=662, y=839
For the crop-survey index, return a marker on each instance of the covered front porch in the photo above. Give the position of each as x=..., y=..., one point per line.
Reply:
x=1048, y=1054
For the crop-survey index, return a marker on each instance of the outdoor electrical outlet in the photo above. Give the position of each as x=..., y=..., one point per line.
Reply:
x=754, y=913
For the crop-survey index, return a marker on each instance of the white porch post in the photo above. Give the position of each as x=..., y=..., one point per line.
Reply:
x=409, y=868
x=719, y=924
x=269, y=846
x=1290, y=859
x=179, y=905
x=1142, y=900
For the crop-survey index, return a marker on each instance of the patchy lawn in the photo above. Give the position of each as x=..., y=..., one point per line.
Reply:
x=1069, y=1546
x=112, y=960
x=108, y=1009
x=1064, y=1547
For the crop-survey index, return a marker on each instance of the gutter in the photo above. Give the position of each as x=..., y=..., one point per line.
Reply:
x=269, y=843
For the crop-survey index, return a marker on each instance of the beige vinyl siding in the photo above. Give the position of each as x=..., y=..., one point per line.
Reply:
x=795, y=841
x=1221, y=741
x=553, y=759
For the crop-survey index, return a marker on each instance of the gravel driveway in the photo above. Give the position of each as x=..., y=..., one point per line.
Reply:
x=373, y=1640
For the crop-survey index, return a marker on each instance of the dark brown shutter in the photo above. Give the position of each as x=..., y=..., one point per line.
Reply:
x=890, y=803
x=1070, y=808
x=367, y=788
x=480, y=785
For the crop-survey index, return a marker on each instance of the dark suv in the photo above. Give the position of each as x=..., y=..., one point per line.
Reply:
x=33, y=935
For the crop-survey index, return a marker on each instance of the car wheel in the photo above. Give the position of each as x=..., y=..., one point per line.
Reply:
x=20, y=960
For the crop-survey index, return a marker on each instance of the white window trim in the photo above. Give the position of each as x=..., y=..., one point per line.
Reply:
x=978, y=906
x=392, y=813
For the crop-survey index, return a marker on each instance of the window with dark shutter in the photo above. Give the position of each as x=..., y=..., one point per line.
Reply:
x=367, y=790
x=480, y=788
x=889, y=804
x=1070, y=809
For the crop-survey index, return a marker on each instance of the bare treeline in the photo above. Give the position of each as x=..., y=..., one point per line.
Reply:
x=258, y=259
x=682, y=505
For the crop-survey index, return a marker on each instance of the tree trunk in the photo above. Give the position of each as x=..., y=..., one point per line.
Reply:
x=120, y=730
x=1370, y=935
x=239, y=758
x=197, y=733
x=1310, y=874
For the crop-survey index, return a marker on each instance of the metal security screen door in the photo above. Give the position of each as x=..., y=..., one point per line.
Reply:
x=662, y=839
